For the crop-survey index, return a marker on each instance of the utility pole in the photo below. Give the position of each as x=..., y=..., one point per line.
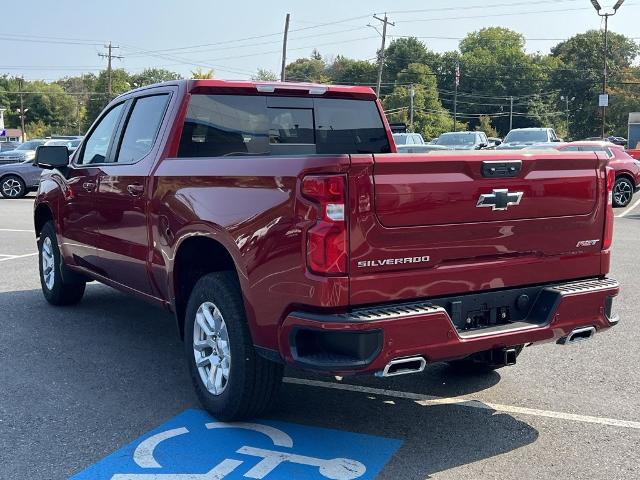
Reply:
x=20, y=91
x=511, y=113
x=412, y=93
x=455, y=97
x=109, y=56
x=606, y=16
x=284, y=47
x=385, y=21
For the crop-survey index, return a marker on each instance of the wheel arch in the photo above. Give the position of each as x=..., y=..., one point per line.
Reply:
x=628, y=176
x=195, y=256
x=41, y=216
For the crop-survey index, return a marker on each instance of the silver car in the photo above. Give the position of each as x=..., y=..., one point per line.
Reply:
x=26, y=151
x=17, y=179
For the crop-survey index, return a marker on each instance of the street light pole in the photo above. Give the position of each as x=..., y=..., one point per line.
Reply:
x=606, y=16
x=567, y=100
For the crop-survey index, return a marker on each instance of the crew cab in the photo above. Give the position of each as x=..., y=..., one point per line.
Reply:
x=280, y=226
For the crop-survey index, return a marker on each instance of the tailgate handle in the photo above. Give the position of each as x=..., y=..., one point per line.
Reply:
x=501, y=169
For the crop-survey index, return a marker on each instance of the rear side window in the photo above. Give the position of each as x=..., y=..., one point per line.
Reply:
x=224, y=125
x=142, y=128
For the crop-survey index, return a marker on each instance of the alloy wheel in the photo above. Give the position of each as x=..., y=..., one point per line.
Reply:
x=12, y=188
x=211, y=348
x=48, y=263
x=622, y=193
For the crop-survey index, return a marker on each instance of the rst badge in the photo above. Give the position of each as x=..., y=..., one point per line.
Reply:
x=499, y=199
x=392, y=261
x=587, y=243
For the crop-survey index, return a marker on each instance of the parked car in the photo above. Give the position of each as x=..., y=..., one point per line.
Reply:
x=18, y=179
x=420, y=148
x=494, y=142
x=519, y=138
x=281, y=235
x=544, y=146
x=627, y=168
x=4, y=146
x=26, y=151
x=463, y=140
x=408, y=139
x=618, y=140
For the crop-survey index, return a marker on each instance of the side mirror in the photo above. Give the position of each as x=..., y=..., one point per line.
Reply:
x=483, y=145
x=497, y=142
x=53, y=156
x=557, y=140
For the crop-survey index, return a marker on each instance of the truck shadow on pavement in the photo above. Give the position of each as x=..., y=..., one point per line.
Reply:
x=87, y=379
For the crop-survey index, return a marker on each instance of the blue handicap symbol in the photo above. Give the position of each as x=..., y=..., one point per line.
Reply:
x=194, y=446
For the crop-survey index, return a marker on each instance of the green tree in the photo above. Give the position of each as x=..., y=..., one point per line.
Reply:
x=580, y=73
x=120, y=83
x=200, y=74
x=493, y=67
x=402, y=52
x=307, y=70
x=262, y=74
x=484, y=125
x=349, y=71
x=430, y=118
x=150, y=76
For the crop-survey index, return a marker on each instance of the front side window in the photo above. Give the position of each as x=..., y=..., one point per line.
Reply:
x=224, y=125
x=97, y=145
x=142, y=128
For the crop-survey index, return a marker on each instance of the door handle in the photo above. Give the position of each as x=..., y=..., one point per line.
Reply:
x=135, y=189
x=89, y=186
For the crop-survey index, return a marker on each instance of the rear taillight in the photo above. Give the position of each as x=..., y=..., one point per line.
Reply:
x=608, y=223
x=327, y=239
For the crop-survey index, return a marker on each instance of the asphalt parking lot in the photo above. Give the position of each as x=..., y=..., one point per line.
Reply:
x=78, y=383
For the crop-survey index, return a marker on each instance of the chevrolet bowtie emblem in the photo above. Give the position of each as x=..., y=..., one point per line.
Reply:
x=499, y=199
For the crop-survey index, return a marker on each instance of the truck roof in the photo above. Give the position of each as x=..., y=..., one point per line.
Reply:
x=269, y=87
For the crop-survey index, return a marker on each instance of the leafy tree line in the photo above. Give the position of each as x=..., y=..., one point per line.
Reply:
x=494, y=70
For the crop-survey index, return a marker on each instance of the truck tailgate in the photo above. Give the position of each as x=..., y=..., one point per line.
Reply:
x=440, y=224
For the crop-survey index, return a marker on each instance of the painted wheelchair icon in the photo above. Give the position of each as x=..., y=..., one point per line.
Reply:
x=334, y=469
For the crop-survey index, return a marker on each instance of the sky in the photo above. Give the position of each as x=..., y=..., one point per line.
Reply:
x=54, y=40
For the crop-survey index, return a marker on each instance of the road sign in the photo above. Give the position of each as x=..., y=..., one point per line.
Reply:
x=603, y=100
x=194, y=446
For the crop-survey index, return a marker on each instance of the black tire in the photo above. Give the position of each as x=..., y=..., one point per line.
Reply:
x=253, y=382
x=62, y=291
x=479, y=363
x=12, y=186
x=622, y=192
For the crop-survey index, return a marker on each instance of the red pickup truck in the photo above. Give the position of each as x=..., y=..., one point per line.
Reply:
x=279, y=225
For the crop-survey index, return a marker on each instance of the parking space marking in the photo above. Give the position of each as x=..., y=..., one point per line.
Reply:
x=623, y=214
x=14, y=257
x=463, y=401
x=15, y=230
x=194, y=446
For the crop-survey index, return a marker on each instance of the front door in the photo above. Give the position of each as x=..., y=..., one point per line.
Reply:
x=79, y=221
x=122, y=195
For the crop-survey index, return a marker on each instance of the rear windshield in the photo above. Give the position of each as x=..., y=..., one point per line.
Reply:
x=456, y=139
x=224, y=125
x=527, y=136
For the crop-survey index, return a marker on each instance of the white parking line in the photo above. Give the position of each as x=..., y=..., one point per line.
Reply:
x=426, y=400
x=14, y=257
x=16, y=230
x=637, y=202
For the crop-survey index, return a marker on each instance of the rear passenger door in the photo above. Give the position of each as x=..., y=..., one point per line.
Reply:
x=121, y=193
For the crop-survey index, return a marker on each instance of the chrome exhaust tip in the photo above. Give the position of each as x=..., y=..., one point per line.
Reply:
x=578, y=335
x=403, y=366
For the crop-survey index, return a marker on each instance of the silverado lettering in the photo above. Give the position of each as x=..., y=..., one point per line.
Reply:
x=238, y=206
x=392, y=261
